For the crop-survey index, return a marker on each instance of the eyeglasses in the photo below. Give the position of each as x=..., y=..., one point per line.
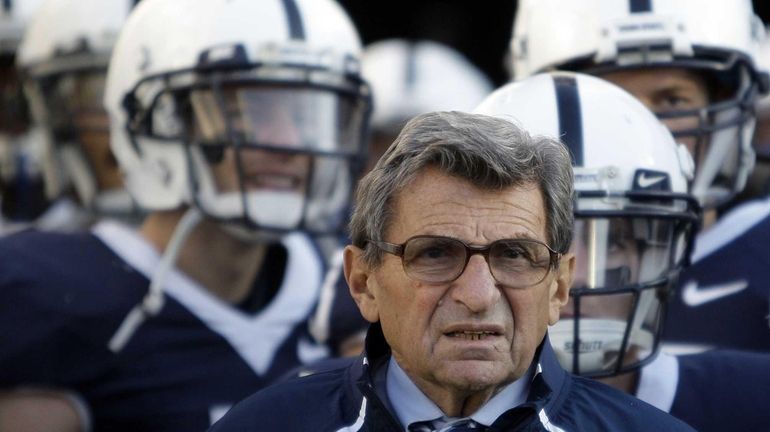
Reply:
x=516, y=263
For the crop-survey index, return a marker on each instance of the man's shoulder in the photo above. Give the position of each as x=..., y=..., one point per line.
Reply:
x=322, y=401
x=591, y=405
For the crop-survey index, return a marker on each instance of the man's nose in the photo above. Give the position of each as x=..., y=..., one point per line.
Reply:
x=476, y=288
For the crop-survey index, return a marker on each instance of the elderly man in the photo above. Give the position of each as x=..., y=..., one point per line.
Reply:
x=459, y=260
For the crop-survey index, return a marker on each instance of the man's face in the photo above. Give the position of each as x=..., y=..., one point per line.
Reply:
x=268, y=118
x=606, y=256
x=665, y=90
x=433, y=328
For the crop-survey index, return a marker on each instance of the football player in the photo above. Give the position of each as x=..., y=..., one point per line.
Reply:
x=634, y=229
x=703, y=84
x=239, y=126
x=63, y=58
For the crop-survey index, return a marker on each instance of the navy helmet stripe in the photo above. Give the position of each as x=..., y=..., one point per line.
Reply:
x=410, y=71
x=637, y=6
x=296, y=29
x=7, y=5
x=570, y=116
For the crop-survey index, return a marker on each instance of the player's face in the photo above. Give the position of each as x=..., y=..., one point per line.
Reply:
x=75, y=106
x=606, y=256
x=270, y=120
x=665, y=90
x=471, y=335
x=94, y=138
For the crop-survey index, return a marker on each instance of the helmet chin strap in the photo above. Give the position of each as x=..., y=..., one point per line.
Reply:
x=153, y=301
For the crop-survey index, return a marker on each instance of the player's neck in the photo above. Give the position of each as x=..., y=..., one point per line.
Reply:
x=626, y=382
x=220, y=262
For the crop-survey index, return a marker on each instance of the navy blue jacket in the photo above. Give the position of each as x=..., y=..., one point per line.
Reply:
x=344, y=399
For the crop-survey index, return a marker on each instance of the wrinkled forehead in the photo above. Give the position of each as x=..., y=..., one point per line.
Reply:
x=437, y=203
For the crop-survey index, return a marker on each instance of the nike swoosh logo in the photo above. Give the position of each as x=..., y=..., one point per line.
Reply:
x=694, y=296
x=646, y=182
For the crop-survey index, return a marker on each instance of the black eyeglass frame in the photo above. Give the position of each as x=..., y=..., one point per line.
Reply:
x=398, y=250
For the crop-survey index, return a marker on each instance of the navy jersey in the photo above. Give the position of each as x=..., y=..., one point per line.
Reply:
x=712, y=391
x=337, y=320
x=344, y=398
x=63, y=296
x=724, y=298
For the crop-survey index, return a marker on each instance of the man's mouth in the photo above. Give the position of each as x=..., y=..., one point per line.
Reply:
x=472, y=335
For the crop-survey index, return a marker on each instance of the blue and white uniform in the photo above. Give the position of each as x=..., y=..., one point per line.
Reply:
x=711, y=391
x=63, y=296
x=724, y=298
x=348, y=398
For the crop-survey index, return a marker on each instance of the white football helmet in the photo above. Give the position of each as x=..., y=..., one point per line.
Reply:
x=634, y=220
x=21, y=153
x=414, y=77
x=717, y=39
x=64, y=56
x=252, y=111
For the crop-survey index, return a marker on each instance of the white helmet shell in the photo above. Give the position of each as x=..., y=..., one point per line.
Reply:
x=602, y=29
x=414, y=77
x=616, y=136
x=67, y=27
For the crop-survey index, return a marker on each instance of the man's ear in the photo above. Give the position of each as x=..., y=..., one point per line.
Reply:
x=559, y=294
x=360, y=282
